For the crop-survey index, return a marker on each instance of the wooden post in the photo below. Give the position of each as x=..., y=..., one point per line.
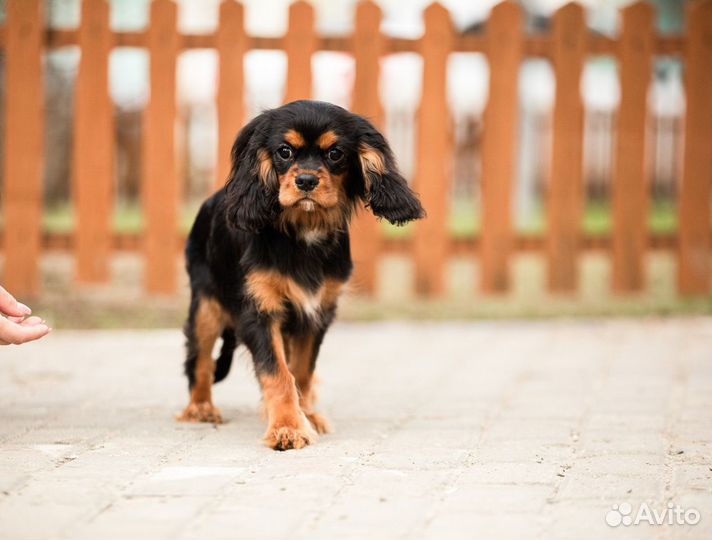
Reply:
x=695, y=242
x=368, y=46
x=160, y=182
x=231, y=48
x=300, y=43
x=93, y=145
x=24, y=149
x=630, y=188
x=505, y=43
x=565, y=197
x=434, y=154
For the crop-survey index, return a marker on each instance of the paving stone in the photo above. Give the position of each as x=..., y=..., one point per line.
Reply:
x=443, y=430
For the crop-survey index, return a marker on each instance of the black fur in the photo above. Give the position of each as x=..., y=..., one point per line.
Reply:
x=237, y=230
x=389, y=196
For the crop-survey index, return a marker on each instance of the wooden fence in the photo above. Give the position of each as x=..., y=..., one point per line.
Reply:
x=505, y=43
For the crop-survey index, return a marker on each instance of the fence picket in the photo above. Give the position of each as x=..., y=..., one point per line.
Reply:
x=231, y=45
x=695, y=239
x=300, y=44
x=630, y=188
x=565, y=196
x=94, y=129
x=24, y=39
x=160, y=179
x=434, y=152
x=367, y=48
x=505, y=47
x=24, y=128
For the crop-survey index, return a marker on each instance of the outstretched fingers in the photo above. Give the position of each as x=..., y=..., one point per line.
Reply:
x=17, y=332
x=11, y=307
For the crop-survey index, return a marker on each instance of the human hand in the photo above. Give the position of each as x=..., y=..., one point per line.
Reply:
x=16, y=326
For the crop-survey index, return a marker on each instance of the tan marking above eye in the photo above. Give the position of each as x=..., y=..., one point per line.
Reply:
x=294, y=138
x=327, y=140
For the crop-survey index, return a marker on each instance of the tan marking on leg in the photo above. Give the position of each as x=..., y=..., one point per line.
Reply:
x=327, y=140
x=294, y=138
x=301, y=353
x=210, y=321
x=288, y=427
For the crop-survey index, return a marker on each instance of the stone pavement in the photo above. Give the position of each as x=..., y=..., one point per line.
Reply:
x=448, y=430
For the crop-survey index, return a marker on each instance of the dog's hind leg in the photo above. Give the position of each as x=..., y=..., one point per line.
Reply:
x=205, y=324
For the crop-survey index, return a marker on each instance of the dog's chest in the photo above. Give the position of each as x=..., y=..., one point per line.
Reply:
x=273, y=292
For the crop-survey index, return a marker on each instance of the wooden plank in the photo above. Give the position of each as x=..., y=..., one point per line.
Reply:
x=457, y=246
x=505, y=47
x=434, y=152
x=602, y=45
x=300, y=44
x=93, y=145
x=534, y=45
x=565, y=196
x=367, y=49
x=129, y=39
x=24, y=149
x=694, y=263
x=160, y=181
x=231, y=47
x=630, y=187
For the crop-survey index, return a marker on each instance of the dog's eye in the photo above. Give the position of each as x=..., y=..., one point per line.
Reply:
x=335, y=154
x=285, y=152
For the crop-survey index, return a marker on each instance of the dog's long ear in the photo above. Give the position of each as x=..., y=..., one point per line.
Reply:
x=386, y=192
x=252, y=187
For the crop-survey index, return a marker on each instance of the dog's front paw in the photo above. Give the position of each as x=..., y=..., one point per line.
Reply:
x=321, y=424
x=287, y=438
x=201, y=412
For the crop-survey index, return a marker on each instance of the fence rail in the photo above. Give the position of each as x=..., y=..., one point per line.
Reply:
x=505, y=44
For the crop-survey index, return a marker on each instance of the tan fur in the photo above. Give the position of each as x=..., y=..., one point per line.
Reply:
x=294, y=138
x=266, y=168
x=267, y=289
x=332, y=290
x=329, y=208
x=327, y=140
x=287, y=425
x=328, y=194
x=321, y=219
x=210, y=321
x=301, y=352
x=372, y=161
x=271, y=290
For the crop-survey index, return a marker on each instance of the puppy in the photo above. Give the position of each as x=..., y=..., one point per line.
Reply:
x=268, y=255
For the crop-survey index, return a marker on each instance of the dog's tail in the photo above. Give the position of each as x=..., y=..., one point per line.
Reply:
x=224, y=359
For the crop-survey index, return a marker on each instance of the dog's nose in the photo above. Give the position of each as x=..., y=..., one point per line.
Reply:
x=307, y=182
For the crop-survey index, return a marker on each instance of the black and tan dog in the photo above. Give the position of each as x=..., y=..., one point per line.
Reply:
x=269, y=254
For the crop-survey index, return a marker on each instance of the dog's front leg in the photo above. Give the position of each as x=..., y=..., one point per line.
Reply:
x=287, y=425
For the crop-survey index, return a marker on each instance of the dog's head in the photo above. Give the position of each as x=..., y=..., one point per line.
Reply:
x=305, y=166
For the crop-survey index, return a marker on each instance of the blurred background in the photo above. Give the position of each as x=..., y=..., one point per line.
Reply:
x=123, y=301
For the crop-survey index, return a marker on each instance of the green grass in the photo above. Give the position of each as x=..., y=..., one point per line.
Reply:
x=465, y=220
x=127, y=218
